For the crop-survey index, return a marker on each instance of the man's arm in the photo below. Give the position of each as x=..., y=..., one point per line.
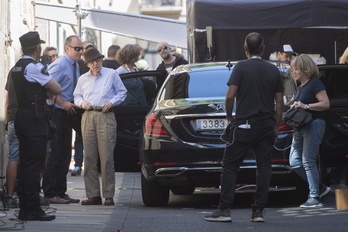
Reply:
x=229, y=102
x=6, y=105
x=279, y=108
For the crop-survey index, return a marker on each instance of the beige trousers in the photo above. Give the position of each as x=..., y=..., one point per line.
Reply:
x=99, y=138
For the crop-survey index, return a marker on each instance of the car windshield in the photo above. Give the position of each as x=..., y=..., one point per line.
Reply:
x=203, y=84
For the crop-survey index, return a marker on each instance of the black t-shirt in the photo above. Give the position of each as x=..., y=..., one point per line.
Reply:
x=257, y=82
x=307, y=94
x=83, y=67
x=12, y=98
x=111, y=64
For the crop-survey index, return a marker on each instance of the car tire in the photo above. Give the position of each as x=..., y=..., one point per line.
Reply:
x=183, y=190
x=153, y=193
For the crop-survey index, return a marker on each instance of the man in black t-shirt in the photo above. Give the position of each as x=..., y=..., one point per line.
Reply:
x=256, y=85
x=111, y=61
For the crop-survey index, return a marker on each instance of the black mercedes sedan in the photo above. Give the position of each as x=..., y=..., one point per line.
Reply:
x=181, y=143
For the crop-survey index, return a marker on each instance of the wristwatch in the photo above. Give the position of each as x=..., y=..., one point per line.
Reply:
x=307, y=107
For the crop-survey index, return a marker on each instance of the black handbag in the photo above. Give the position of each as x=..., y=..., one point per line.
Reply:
x=297, y=117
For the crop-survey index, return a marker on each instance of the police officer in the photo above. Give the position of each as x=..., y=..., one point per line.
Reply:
x=32, y=86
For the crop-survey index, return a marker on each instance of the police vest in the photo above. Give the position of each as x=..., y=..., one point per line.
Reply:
x=28, y=93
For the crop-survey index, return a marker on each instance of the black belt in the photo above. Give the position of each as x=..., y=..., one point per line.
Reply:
x=99, y=110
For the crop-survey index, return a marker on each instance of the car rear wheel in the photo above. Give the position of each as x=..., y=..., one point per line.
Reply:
x=153, y=193
x=183, y=190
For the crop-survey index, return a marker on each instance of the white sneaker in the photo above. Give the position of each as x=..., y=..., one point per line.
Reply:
x=323, y=190
x=312, y=202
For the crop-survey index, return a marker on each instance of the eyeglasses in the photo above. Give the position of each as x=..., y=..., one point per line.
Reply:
x=162, y=48
x=77, y=48
x=99, y=59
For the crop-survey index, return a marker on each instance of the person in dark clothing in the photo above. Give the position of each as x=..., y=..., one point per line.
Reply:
x=310, y=95
x=32, y=86
x=83, y=67
x=170, y=61
x=111, y=61
x=257, y=86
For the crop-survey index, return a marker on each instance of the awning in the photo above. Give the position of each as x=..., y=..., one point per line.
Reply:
x=148, y=28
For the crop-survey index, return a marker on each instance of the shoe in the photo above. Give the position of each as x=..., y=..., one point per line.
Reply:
x=257, y=215
x=109, y=201
x=36, y=216
x=71, y=200
x=219, y=216
x=56, y=200
x=77, y=171
x=323, y=190
x=333, y=187
x=11, y=202
x=312, y=202
x=92, y=201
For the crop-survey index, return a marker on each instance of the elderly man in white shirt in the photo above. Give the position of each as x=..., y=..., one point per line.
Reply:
x=97, y=91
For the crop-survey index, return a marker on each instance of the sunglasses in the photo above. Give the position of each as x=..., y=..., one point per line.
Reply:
x=77, y=48
x=162, y=48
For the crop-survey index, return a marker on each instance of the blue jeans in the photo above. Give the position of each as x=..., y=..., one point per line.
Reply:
x=304, y=153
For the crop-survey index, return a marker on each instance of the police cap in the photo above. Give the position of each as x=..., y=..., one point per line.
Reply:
x=31, y=38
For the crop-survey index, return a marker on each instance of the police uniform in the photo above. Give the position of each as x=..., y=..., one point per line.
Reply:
x=31, y=129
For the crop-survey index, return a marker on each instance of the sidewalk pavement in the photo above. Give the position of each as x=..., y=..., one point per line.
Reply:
x=70, y=217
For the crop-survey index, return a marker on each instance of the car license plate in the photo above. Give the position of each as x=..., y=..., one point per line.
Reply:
x=211, y=124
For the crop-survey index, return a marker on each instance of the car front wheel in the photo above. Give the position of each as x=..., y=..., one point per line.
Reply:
x=153, y=193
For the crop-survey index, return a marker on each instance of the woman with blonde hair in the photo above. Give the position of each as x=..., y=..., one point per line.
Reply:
x=311, y=96
x=344, y=58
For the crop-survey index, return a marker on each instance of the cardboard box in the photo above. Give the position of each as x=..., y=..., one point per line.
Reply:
x=341, y=199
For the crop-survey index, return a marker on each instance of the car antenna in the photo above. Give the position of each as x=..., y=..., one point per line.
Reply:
x=229, y=65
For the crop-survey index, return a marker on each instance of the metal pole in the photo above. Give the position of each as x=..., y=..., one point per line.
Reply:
x=78, y=16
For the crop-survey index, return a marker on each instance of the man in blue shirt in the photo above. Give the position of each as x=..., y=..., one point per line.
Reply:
x=66, y=72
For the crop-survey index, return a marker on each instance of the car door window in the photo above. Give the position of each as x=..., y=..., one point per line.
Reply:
x=142, y=87
x=336, y=81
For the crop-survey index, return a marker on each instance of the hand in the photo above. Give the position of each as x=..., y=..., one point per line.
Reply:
x=86, y=105
x=299, y=104
x=106, y=107
x=229, y=118
x=69, y=107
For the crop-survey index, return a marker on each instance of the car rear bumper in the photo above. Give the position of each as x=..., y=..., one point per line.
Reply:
x=177, y=171
x=208, y=176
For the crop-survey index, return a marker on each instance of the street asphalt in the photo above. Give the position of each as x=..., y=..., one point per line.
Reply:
x=130, y=215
